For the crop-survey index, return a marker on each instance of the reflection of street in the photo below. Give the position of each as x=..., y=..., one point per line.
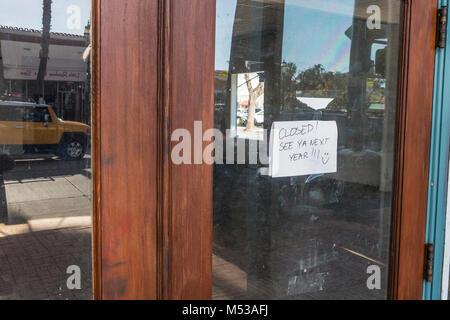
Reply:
x=274, y=241
x=252, y=134
x=229, y=281
x=48, y=229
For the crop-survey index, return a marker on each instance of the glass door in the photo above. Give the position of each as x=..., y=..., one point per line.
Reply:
x=306, y=98
x=45, y=160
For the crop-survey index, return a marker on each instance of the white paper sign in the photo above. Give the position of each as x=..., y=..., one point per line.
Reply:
x=300, y=148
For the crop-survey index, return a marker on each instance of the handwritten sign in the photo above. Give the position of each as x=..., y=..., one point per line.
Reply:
x=300, y=148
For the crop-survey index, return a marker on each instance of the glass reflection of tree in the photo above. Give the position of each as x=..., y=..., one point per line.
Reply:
x=2, y=76
x=316, y=82
x=45, y=42
x=254, y=94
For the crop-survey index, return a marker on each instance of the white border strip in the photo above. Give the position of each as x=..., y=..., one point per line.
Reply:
x=446, y=268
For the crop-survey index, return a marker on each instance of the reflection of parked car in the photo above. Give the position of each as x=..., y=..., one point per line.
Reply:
x=6, y=163
x=259, y=118
x=242, y=113
x=242, y=116
x=29, y=128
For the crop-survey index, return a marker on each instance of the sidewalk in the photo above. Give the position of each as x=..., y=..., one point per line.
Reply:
x=33, y=264
x=48, y=230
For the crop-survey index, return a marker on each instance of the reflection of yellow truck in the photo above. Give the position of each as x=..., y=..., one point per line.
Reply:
x=34, y=128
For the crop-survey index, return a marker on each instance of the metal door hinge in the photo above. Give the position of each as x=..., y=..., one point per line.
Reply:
x=429, y=262
x=441, y=41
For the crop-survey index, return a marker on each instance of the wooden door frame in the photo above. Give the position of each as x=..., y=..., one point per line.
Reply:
x=96, y=151
x=125, y=132
x=177, y=226
x=412, y=154
x=164, y=249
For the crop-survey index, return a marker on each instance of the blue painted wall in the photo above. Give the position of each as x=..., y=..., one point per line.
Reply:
x=439, y=166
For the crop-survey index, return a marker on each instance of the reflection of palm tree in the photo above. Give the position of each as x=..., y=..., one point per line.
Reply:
x=2, y=76
x=45, y=42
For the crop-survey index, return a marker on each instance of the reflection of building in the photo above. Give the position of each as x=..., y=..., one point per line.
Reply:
x=67, y=74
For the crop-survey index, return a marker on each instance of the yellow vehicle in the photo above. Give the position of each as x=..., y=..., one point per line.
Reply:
x=35, y=128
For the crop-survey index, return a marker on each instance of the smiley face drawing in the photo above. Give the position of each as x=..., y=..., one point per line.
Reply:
x=326, y=158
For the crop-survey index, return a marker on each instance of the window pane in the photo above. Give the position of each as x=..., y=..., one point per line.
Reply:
x=11, y=113
x=45, y=158
x=325, y=72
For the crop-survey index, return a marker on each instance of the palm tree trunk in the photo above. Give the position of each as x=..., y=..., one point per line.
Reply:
x=45, y=43
x=2, y=75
